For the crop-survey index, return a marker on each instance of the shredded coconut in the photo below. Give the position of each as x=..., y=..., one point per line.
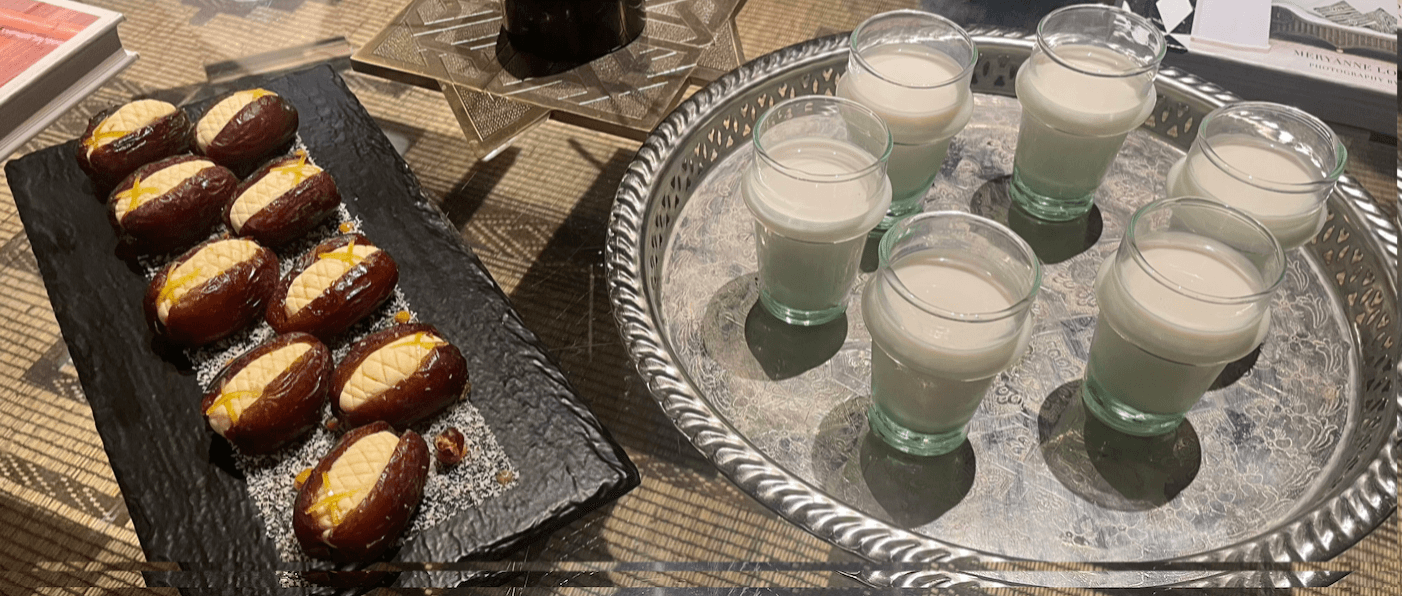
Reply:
x=270, y=477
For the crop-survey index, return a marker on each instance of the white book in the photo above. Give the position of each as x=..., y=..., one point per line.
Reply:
x=1346, y=42
x=53, y=82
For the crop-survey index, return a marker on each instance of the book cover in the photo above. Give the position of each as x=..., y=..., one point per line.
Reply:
x=53, y=53
x=1349, y=42
x=31, y=30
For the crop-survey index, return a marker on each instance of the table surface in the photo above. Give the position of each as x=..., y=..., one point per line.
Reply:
x=536, y=214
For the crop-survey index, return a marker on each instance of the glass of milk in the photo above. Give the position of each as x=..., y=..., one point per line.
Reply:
x=1088, y=83
x=949, y=309
x=1275, y=162
x=1187, y=292
x=817, y=186
x=913, y=69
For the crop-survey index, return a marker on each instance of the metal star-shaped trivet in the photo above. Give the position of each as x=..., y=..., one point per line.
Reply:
x=452, y=45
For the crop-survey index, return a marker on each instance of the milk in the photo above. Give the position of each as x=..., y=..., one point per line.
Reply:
x=1293, y=217
x=1156, y=349
x=809, y=234
x=912, y=88
x=1074, y=123
x=930, y=372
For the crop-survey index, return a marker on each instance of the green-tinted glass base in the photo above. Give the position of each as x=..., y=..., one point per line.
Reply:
x=1046, y=207
x=898, y=210
x=909, y=441
x=795, y=316
x=1121, y=417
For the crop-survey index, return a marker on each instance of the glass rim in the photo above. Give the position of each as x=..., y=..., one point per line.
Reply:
x=1160, y=45
x=1143, y=263
x=877, y=163
x=964, y=35
x=1325, y=132
x=1018, y=306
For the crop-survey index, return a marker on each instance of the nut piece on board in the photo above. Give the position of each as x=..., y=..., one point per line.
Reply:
x=450, y=446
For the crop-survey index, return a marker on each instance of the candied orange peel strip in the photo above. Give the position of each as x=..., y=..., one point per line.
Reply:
x=348, y=257
x=329, y=503
x=298, y=170
x=99, y=135
x=427, y=344
x=136, y=192
x=173, y=284
x=226, y=401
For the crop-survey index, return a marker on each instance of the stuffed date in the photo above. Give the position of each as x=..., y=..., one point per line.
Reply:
x=245, y=127
x=271, y=395
x=283, y=200
x=332, y=287
x=119, y=141
x=172, y=203
x=400, y=375
x=360, y=496
x=212, y=291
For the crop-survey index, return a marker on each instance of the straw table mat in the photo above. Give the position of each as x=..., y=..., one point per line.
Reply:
x=536, y=215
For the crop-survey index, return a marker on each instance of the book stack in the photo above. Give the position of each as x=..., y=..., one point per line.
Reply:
x=1336, y=59
x=53, y=53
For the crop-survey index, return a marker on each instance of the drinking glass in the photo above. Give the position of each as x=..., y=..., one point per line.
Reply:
x=817, y=186
x=1088, y=83
x=949, y=309
x=1275, y=162
x=913, y=69
x=1187, y=292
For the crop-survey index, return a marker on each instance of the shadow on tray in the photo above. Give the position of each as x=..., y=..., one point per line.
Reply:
x=1109, y=468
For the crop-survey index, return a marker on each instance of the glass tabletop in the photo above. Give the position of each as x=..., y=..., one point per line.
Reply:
x=536, y=213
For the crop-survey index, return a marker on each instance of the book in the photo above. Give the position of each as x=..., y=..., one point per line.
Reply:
x=53, y=53
x=1351, y=42
x=1336, y=59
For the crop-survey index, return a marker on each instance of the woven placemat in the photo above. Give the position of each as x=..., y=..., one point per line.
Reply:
x=536, y=214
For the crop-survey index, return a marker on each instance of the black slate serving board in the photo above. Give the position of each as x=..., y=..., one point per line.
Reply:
x=187, y=501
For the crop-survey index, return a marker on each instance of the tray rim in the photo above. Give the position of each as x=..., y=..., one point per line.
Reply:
x=1315, y=535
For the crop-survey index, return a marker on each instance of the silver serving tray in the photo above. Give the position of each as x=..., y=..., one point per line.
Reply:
x=1296, y=460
